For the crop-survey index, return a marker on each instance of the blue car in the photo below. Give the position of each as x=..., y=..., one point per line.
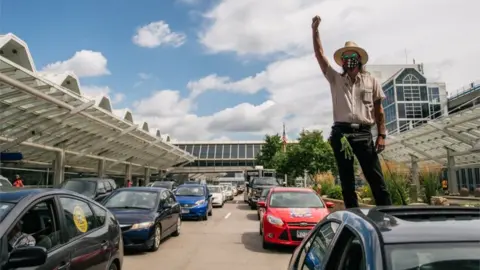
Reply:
x=195, y=200
x=146, y=215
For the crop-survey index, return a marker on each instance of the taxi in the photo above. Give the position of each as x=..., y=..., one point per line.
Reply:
x=289, y=215
x=48, y=229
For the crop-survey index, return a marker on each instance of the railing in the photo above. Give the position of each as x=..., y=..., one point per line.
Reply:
x=466, y=89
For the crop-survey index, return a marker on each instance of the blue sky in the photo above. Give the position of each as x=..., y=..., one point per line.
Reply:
x=251, y=62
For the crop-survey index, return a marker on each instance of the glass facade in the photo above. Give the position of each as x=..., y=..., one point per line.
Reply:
x=409, y=101
x=222, y=155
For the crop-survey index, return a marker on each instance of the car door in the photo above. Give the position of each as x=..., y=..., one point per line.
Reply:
x=314, y=251
x=41, y=220
x=86, y=239
x=174, y=210
x=164, y=212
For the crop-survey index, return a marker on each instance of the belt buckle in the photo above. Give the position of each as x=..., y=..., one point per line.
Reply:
x=355, y=126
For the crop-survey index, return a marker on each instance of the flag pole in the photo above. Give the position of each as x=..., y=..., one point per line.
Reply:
x=284, y=140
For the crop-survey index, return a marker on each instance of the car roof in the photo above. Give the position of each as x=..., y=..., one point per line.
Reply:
x=423, y=224
x=291, y=189
x=149, y=189
x=192, y=185
x=15, y=195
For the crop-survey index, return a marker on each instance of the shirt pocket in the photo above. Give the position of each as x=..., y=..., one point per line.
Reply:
x=367, y=96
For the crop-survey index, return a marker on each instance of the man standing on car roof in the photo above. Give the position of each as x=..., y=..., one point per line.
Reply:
x=357, y=107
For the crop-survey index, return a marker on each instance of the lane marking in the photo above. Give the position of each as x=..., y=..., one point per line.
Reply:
x=228, y=215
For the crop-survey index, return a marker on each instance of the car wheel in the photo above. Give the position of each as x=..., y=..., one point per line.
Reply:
x=113, y=266
x=211, y=212
x=157, y=238
x=260, y=231
x=179, y=226
x=205, y=217
x=253, y=207
x=266, y=245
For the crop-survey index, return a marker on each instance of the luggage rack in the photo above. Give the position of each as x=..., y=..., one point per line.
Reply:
x=430, y=213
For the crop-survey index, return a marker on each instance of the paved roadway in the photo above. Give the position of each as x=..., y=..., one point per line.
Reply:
x=227, y=240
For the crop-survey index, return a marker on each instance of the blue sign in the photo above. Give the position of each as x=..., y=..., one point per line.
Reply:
x=15, y=156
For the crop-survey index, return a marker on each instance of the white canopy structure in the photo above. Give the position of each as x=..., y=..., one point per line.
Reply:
x=45, y=117
x=451, y=141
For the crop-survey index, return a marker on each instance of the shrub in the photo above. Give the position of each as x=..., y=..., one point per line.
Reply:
x=430, y=185
x=335, y=192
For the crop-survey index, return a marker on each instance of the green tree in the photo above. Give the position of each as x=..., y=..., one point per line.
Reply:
x=312, y=153
x=266, y=157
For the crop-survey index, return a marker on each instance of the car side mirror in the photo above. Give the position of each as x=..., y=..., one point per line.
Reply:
x=330, y=204
x=262, y=204
x=28, y=256
x=210, y=195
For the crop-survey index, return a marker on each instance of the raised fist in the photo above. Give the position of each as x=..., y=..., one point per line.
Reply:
x=316, y=22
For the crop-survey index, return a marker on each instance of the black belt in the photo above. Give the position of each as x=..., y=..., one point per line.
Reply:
x=352, y=126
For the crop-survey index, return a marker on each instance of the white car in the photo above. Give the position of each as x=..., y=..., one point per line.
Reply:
x=218, y=197
x=228, y=192
x=4, y=182
x=235, y=191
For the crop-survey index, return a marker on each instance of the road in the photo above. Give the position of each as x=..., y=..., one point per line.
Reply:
x=227, y=240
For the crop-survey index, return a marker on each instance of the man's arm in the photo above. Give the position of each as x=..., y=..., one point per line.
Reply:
x=379, y=117
x=317, y=46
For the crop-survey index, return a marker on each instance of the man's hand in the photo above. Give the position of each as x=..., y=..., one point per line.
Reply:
x=380, y=144
x=316, y=22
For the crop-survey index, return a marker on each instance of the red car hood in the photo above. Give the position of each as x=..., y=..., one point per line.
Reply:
x=299, y=214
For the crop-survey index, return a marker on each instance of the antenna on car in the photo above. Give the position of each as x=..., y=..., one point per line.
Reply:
x=397, y=187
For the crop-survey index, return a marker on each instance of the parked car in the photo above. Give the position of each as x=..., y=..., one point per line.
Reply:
x=170, y=185
x=4, y=183
x=48, y=229
x=228, y=192
x=195, y=200
x=395, y=237
x=257, y=185
x=146, y=215
x=218, y=199
x=262, y=198
x=94, y=188
x=290, y=214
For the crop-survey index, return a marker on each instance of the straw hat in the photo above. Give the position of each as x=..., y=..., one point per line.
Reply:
x=350, y=46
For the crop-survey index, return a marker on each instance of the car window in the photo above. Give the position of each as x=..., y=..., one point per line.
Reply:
x=313, y=252
x=39, y=226
x=132, y=199
x=294, y=199
x=100, y=214
x=113, y=184
x=83, y=187
x=79, y=218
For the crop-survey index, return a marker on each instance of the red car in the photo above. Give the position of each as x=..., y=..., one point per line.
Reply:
x=290, y=214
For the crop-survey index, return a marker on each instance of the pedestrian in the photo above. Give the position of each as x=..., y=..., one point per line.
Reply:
x=357, y=106
x=129, y=183
x=18, y=182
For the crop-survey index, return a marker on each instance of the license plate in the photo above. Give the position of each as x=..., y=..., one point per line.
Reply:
x=302, y=233
x=185, y=211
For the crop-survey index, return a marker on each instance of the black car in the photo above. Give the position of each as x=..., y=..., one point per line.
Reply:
x=48, y=229
x=146, y=215
x=403, y=238
x=171, y=185
x=94, y=188
x=256, y=187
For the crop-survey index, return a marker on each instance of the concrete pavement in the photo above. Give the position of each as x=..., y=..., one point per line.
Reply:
x=227, y=240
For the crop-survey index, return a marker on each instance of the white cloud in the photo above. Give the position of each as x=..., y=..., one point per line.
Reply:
x=84, y=63
x=156, y=34
x=97, y=92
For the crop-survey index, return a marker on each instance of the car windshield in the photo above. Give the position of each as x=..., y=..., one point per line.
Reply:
x=265, y=181
x=228, y=188
x=162, y=184
x=132, y=199
x=5, y=183
x=83, y=187
x=292, y=199
x=265, y=192
x=215, y=189
x=4, y=209
x=438, y=256
x=190, y=191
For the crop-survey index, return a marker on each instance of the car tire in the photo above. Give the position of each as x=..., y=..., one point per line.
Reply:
x=205, y=217
x=253, y=207
x=113, y=266
x=157, y=234
x=260, y=230
x=211, y=212
x=265, y=244
x=179, y=226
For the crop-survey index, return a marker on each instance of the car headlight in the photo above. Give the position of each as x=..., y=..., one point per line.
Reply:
x=143, y=225
x=199, y=202
x=274, y=220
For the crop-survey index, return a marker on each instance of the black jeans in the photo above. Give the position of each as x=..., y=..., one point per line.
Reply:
x=361, y=141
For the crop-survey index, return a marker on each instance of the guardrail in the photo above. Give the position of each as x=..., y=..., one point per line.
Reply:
x=465, y=90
